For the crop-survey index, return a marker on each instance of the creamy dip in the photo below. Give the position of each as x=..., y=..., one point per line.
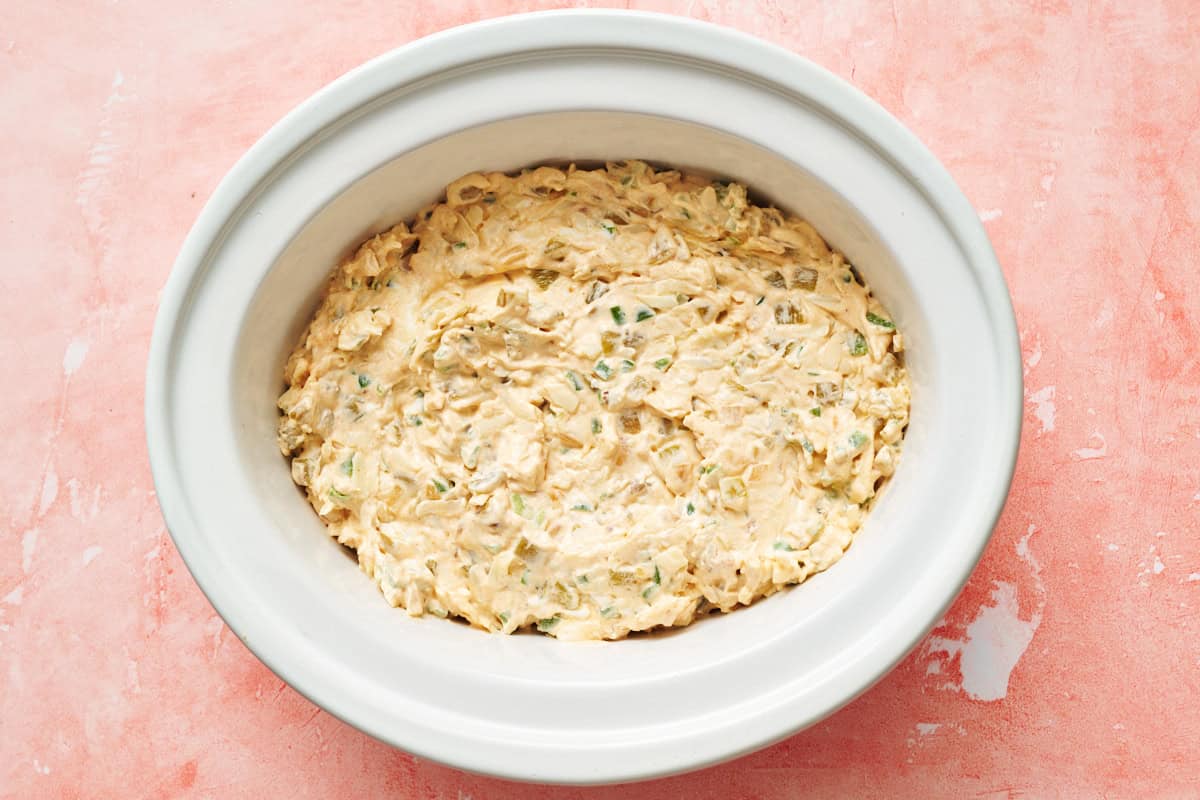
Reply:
x=594, y=402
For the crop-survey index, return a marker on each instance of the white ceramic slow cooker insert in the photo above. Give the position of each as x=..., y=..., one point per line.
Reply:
x=372, y=148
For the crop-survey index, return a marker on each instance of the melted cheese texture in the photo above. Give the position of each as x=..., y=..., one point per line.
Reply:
x=594, y=402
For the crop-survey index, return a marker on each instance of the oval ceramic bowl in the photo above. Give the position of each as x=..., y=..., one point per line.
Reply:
x=380, y=142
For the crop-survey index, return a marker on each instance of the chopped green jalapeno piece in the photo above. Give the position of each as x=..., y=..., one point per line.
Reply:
x=875, y=319
x=805, y=278
x=858, y=344
x=518, y=504
x=544, y=277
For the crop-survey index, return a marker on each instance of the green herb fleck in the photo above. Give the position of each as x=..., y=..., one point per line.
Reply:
x=573, y=379
x=649, y=590
x=657, y=576
x=662, y=363
x=816, y=412
x=581, y=507
x=460, y=245
x=603, y=369
x=348, y=466
x=336, y=495
x=691, y=509
x=441, y=487
x=759, y=301
x=608, y=612
x=363, y=381
x=806, y=446
x=628, y=179
x=618, y=314
x=415, y=420
x=782, y=545
x=546, y=625
x=503, y=615
x=858, y=439
x=596, y=427
x=608, y=228
x=627, y=365
x=875, y=319
x=643, y=314
x=708, y=469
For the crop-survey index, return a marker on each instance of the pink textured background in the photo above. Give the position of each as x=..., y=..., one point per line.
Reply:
x=1069, y=667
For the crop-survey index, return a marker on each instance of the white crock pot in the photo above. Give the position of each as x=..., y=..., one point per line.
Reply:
x=371, y=148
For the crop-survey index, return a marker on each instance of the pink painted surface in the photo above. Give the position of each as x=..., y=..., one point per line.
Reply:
x=1070, y=666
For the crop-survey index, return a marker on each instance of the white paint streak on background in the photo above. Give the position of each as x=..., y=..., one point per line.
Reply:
x=1043, y=407
x=100, y=155
x=996, y=639
x=993, y=644
x=77, y=498
x=74, y=356
x=1085, y=453
x=49, y=491
x=28, y=548
x=1035, y=356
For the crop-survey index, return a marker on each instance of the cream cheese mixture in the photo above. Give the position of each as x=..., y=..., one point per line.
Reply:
x=594, y=402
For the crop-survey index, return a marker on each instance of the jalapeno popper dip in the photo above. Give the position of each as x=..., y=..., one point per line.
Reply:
x=593, y=402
